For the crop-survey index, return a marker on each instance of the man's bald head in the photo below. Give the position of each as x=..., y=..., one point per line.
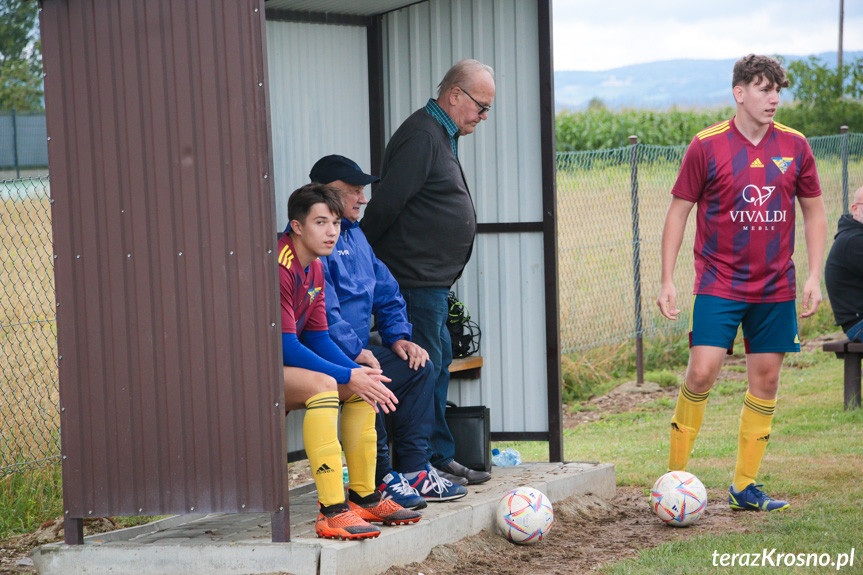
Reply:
x=857, y=206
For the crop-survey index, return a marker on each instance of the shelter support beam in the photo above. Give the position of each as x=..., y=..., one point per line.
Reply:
x=549, y=242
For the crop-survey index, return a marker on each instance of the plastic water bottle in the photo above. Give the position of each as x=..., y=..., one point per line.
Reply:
x=506, y=458
x=345, y=478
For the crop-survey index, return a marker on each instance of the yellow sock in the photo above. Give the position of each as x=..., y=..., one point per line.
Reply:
x=685, y=424
x=752, y=439
x=322, y=446
x=360, y=440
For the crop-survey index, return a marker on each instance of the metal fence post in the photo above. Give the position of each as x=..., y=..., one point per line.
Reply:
x=636, y=260
x=843, y=130
x=15, y=144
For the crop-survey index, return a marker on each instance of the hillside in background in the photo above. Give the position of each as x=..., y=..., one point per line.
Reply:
x=659, y=85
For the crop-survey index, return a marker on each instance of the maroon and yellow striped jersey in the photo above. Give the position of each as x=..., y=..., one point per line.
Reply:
x=745, y=194
x=301, y=291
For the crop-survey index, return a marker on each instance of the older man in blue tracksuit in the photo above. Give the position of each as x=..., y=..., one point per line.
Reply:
x=360, y=286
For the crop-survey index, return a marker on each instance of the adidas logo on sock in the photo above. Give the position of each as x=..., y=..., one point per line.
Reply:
x=675, y=427
x=765, y=438
x=324, y=469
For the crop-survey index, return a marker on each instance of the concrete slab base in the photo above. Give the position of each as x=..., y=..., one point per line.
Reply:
x=227, y=544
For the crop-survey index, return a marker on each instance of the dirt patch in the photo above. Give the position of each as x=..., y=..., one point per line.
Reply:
x=587, y=533
x=815, y=343
x=624, y=398
x=299, y=473
x=15, y=551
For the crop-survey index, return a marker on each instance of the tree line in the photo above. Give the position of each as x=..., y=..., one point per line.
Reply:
x=824, y=99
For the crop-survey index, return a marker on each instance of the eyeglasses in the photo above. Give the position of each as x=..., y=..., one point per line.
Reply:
x=482, y=108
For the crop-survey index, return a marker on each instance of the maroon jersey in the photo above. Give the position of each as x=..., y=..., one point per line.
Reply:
x=302, y=292
x=745, y=194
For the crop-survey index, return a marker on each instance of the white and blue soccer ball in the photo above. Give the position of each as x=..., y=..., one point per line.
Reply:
x=678, y=498
x=525, y=515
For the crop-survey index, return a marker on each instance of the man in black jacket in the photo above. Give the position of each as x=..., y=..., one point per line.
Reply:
x=844, y=271
x=421, y=223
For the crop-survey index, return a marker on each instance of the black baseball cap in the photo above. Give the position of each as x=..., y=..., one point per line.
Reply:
x=331, y=168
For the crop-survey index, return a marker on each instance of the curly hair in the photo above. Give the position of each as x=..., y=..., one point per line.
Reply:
x=755, y=68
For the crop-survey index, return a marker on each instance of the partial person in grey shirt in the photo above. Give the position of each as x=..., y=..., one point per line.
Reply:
x=421, y=223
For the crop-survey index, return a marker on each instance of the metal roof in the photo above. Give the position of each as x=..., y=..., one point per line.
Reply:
x=352, y=7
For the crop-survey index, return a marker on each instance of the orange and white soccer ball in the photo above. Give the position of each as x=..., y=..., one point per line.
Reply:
x=678, y=498
x=524, y=515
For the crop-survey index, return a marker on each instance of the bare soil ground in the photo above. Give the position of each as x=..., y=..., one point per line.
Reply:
x=587, y=533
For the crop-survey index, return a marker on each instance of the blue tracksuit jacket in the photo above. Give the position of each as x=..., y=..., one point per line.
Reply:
x=359, y=285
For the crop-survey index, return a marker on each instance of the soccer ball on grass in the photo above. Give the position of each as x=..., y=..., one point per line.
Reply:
x=678, y=498
x=524, y=515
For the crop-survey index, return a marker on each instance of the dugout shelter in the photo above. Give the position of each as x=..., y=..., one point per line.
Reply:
x=176, y=132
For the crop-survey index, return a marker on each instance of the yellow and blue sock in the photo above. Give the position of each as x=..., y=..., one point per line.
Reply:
x=688, y=416
x=321, y=441
x=359, y=440
x=755, y=419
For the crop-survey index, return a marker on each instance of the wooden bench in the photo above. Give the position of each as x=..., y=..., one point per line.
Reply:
x=466, y=367
x=852, y=353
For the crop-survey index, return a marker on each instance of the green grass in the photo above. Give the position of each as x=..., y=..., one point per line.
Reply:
x=29, y=498
x=813, y=460
x=597, y=371
x=664, y=377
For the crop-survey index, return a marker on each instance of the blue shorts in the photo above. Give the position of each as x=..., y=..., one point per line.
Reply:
x=767, y=327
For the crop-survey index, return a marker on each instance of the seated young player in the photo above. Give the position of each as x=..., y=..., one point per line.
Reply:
x=318, y=376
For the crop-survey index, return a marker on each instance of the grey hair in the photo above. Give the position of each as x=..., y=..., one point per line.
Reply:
x=461, y=74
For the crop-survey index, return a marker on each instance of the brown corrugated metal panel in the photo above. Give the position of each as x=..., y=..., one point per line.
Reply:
x=168, y=320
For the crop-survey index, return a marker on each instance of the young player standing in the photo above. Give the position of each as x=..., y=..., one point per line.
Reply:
x=743, y=174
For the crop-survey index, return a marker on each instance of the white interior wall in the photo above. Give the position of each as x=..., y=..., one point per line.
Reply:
x=503, y=285
x=319, y=100
x=319, y=105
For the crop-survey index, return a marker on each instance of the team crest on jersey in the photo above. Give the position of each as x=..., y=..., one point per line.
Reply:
x=313, y=293
x=756, y=164
x=782, y=163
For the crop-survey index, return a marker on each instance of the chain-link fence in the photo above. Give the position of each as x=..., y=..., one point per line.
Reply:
x=606, y=198
x=23, y=142
x=29, y=422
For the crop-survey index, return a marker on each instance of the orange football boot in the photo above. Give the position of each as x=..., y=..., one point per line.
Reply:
x=384, y=511
x=344, y=524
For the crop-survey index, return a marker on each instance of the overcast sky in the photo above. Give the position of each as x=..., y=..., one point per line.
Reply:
x=604, y=34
